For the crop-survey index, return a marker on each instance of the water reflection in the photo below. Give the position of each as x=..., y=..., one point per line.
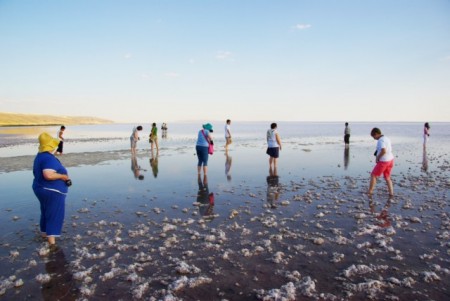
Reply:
x=346, y=157
x=61, y=284
x=154, y=164
x=383, y=218
x=205, y=198
x=136, y=168
x=228, y=161
x=425, y=159
x=273, y=192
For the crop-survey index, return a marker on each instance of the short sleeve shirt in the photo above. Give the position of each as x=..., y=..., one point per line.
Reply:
x=44, y=161
x=385, y=142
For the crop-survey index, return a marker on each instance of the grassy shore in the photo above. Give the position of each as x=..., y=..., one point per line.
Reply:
x=12, y=119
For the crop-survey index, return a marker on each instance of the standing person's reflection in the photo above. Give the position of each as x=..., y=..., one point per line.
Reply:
x=383, y=218
x=136, y=169
x=273, y=192
x=205, y=198
x=228, y=161
x=425, y=159
x=60, y=286
x=346, y=157
x=154, y=164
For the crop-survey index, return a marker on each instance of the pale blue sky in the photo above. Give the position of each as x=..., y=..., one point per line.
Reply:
x=144, y=61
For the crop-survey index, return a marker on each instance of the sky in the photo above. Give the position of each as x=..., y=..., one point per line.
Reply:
x=244, y=60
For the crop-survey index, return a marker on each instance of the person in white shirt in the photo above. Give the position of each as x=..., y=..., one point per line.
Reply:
x=273, y=146
x=384, y=160
x=227, y=134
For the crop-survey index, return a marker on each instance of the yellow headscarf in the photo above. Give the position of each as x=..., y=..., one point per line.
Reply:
x=47, y=143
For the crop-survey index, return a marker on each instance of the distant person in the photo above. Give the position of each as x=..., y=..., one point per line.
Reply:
x=347, y=135
x=426, y=133
x=204, y=139
x=164, y=130
x=273, y=145
x=134, y=138
x=136, y=168
x=50, y=185
x=228, y=140
x=153, y=138
x=384, y=161
x=59, y=150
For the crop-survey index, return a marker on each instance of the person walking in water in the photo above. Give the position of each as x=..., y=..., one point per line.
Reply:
x=154, y=137
x=227, y=134
x=384, y=161
x=134, y=138
x=347, y=135
x=50, y=185
x=204, y=139
x=273, y=146
x=59, y=150
x=426, y=133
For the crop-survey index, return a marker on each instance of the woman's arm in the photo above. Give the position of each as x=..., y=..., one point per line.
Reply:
x=278, y=139
x=52, y=175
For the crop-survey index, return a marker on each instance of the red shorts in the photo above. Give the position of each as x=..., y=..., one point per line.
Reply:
x=383, y=168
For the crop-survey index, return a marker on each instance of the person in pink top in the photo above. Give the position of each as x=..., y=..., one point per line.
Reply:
x=384, y=160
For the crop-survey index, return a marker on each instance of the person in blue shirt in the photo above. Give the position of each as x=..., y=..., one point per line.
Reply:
x=50, y=185
x=204, y=139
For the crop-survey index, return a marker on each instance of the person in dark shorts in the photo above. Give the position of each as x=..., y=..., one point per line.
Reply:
x=273, y=146
x=347, y=135
x=59, y=150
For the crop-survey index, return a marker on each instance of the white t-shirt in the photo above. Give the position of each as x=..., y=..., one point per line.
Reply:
x=385, y=142
x=227, y=129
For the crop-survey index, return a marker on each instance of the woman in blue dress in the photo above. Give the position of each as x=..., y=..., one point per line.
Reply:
x=50, y=185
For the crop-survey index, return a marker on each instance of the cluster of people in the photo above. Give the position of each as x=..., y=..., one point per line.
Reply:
x=51, y=179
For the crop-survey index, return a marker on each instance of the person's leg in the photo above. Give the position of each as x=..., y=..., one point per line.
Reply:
x=55, y=215
x=390, y=186
x=275, y=163
x=387, y=177
x=42, y=225
x=373, y=181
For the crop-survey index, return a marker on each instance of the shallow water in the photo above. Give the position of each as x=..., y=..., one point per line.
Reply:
x=313, y=222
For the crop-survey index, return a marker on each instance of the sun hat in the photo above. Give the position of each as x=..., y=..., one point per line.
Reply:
x=47, y=143
x=208, y=127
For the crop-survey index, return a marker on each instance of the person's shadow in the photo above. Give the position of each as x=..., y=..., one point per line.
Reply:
x=205, y=198
x=346, y=157
x=273, y=192
x=136, y=169
x=61, y=286
x=228, y=161
x=154, y=164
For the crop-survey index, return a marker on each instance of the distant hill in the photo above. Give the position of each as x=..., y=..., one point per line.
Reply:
x=12, y=119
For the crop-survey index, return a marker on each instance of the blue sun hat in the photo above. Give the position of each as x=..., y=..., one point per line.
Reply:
x=208, y=127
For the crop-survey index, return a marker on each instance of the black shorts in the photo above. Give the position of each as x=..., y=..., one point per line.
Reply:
x=274, y=152
x=347, y=139
x=60, y=147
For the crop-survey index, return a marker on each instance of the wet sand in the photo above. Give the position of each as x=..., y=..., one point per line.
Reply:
x=299, y=236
